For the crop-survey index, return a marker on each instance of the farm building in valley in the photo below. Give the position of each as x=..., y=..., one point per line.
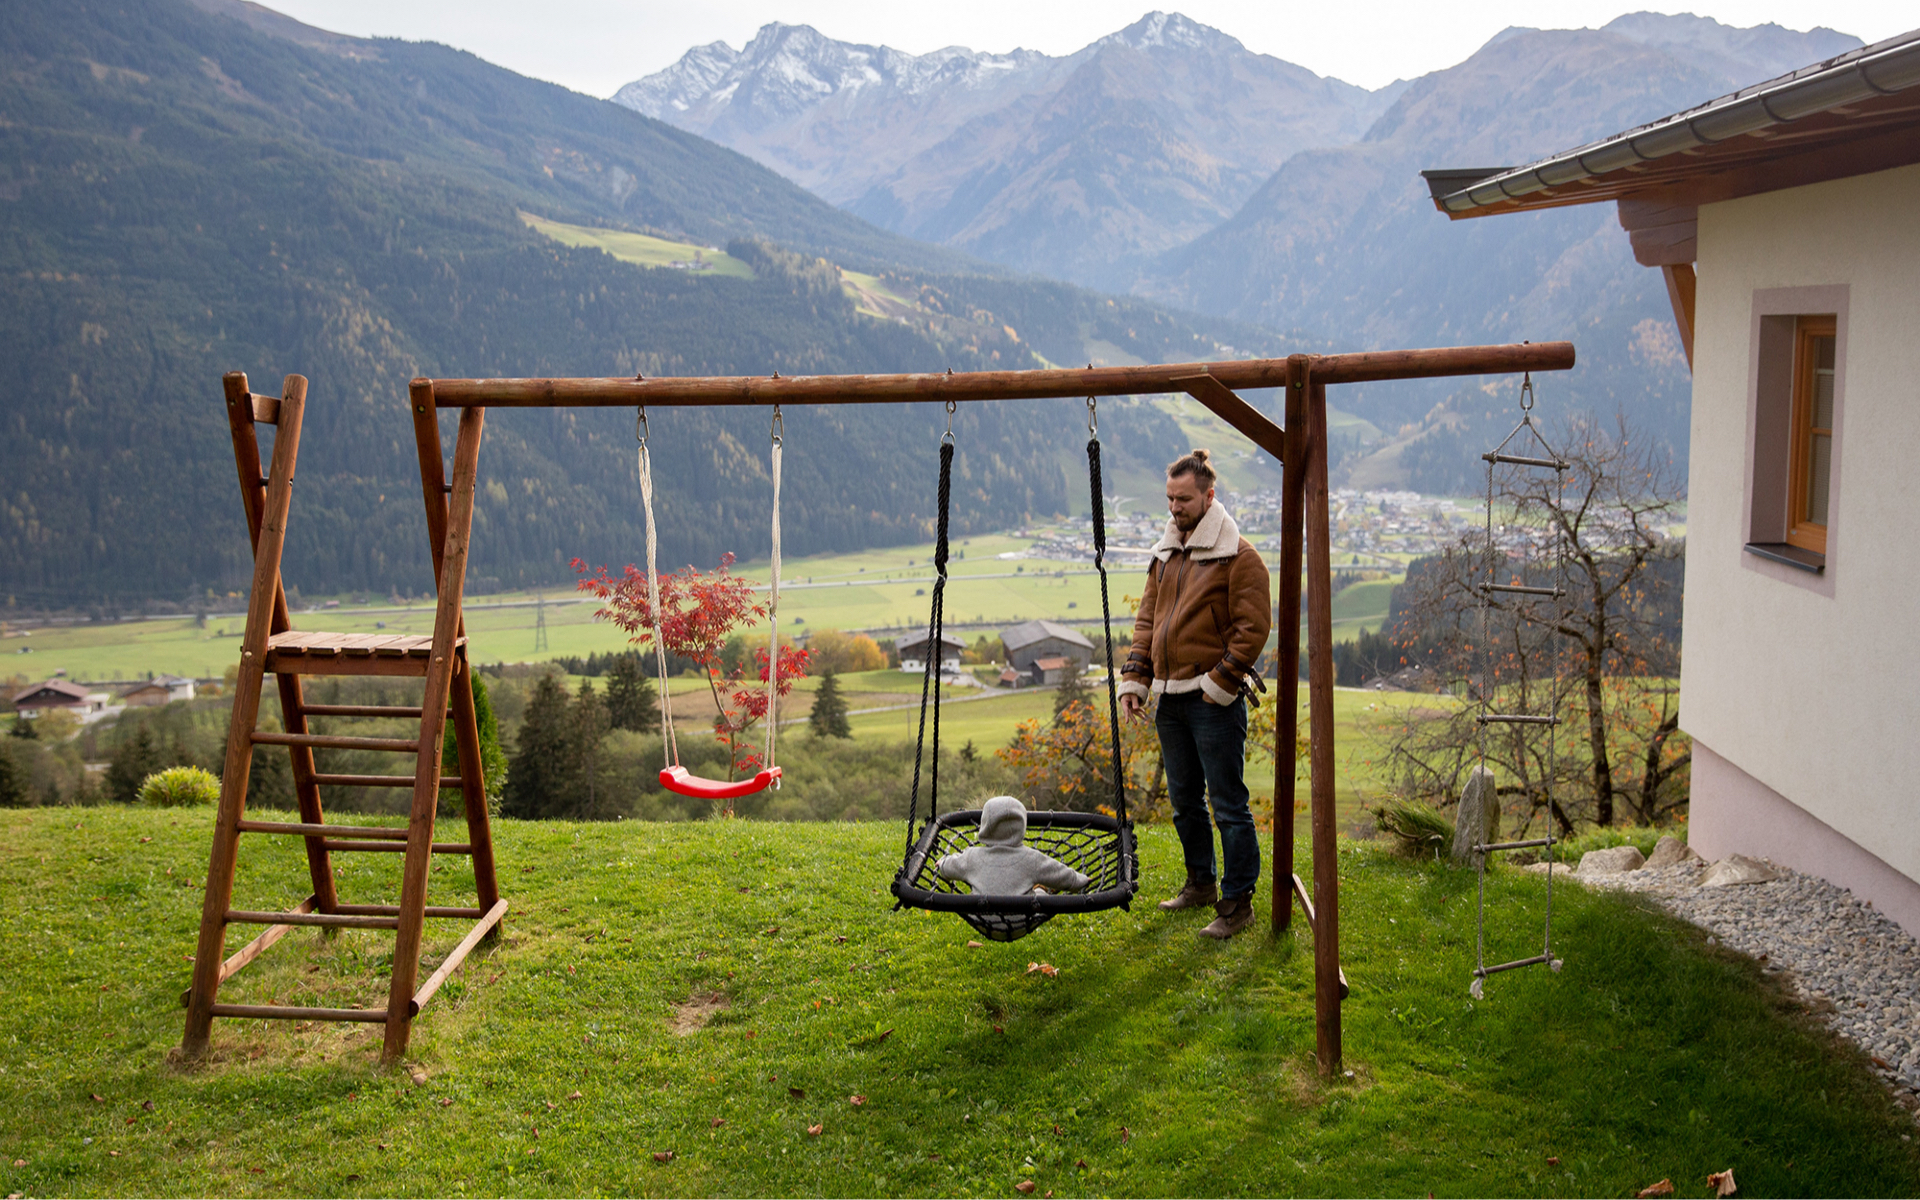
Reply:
x=164, y=689
x=1786, y=220
x=1029, y=642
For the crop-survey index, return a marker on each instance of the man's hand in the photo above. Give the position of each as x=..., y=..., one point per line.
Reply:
x=1131, y=707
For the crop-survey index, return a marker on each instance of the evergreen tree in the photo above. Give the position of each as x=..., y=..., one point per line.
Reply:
x=269, y=779
x=1073, y=690
x=590, y=725
x=22, y=728
x=493, y=759
x=631, y=701
x=133, y=760
x=829, y=715
x=540, y=772
x=13, y=788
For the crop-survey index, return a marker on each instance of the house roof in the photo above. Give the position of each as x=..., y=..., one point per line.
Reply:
x=911, y=640
x=1848, y=115
x=72, y=691
x=1053, y=664
x=1028, y=632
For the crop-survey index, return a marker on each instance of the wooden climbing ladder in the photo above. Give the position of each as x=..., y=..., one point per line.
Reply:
x=272, y=646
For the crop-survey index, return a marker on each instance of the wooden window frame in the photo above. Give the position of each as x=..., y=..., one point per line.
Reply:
x=1802, y=533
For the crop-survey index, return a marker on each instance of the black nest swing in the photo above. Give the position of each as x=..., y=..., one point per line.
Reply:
x=1098, y=846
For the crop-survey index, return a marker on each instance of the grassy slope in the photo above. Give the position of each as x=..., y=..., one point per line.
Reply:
x=553, y=1067
x=639, y=248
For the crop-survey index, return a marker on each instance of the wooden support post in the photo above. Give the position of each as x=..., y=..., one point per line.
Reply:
x=1326, y=850
x=263, y=604
x=441, y=673
x=1286, y=625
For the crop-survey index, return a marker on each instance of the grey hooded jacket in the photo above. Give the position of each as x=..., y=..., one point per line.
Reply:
x=1001, y=864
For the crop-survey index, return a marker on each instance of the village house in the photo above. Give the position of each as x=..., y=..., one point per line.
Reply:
x=912, y=650
x=58, y=694
x=1786, y=220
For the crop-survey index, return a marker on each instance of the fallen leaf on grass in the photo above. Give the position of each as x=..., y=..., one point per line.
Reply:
x=446, y=1102
x=999, y=1029
x=797, y=1093
x=718, y=1122
x=96, y=1097
x=1553, y=1160
x=113, y=1154
x=1722, y=1183
x=1032, y=967
x=19, y=1162
x=933, y=1158
x=131, y=1120
x=773, y=930
x=145, y=840
x=1126, y=1135
x=1663, y=1188
x=971, y=945
x=1080, y=1164
x=815, y=1130
x=573, y=1095
x=1024, y=1187
x=856, y=1101
x=663, y=1156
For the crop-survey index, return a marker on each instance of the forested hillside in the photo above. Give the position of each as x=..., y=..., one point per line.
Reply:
x=182, y=194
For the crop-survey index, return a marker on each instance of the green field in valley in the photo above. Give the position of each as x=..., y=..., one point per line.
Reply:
x=642, y=249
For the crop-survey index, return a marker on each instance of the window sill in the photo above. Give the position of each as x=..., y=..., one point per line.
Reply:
x=1792, y=556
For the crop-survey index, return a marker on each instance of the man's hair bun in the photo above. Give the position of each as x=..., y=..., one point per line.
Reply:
x=1195, y=462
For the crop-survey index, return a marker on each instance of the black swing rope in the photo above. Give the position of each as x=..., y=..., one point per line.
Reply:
x=1097, y=845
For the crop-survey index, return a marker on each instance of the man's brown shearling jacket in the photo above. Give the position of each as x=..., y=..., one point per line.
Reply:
x=1205, y=616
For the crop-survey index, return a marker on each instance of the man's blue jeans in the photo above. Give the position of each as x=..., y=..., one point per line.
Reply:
x=1204, y=747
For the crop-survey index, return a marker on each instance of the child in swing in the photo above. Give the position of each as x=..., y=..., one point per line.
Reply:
x=1001, y=863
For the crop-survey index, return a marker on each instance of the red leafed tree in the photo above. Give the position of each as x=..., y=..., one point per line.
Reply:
x=699, y=611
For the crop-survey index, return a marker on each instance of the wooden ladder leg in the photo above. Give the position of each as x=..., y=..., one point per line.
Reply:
x=261, y=605
x=466, y=737
x=426, y=783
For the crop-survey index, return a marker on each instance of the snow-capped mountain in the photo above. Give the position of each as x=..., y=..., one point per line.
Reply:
x=1074, y=166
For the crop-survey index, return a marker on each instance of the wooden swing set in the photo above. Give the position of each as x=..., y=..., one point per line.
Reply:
x=271, y=646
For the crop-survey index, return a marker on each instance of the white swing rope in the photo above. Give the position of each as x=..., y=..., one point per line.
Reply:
x=669, y=746
x=773, y=599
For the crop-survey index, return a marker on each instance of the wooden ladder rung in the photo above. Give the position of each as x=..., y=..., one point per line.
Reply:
x=276, y=1012
x=382, y=781
x=1521, y=461
x=298, y=829
x=469, y=912
x=362, y=710
x=328, y=741
x=396, y=847
x=332, y=920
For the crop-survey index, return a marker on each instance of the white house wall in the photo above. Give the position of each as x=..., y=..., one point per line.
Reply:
x=1808, y=687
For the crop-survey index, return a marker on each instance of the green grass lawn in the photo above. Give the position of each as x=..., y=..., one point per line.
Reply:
x=564, y=1058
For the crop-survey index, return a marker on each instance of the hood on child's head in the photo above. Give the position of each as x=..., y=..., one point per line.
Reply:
x=1003, y=822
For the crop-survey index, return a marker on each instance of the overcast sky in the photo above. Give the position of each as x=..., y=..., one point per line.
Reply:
x=594, y=46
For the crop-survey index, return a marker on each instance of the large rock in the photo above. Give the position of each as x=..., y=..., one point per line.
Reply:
x=1671, y=852
x=1612, y=860
x=1738, y=868
x=1562, y=873
x=1478, y=820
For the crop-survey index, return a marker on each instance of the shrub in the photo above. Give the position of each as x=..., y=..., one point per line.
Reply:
x=1417, y=829
x=180, y=787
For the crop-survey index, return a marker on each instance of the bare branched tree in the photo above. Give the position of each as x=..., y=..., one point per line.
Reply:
x=1600, y=653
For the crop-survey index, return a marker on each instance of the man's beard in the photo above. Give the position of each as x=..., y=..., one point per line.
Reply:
x=1185, y=525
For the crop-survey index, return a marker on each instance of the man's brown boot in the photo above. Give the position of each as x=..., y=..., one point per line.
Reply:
x=1233, y=916
x=1193, y=894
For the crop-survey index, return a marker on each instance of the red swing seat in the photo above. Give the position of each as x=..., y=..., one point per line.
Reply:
x=678, y=779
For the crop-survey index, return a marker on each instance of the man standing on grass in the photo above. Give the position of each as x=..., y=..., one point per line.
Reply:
x=1203, y=621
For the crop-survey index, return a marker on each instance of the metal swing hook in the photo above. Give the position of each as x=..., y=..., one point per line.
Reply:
x=948, y=435
x=1093, y=418
x=640, y=425
x=1526, y=392
x=779, y=426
